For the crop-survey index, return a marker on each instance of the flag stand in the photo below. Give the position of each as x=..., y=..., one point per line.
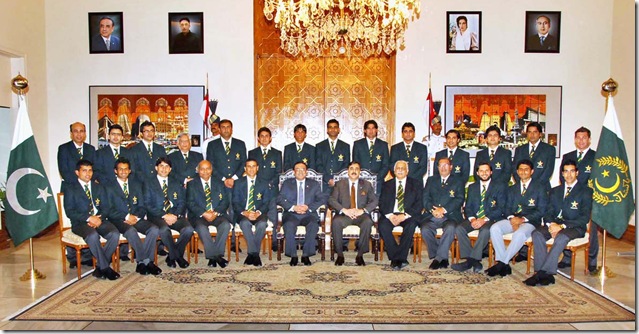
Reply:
x=603, y=272
x=33, y=273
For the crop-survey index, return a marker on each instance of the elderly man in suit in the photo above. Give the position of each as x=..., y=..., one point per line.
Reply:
x=251, y=198
x=443, y=198
x=73, y=151
x=128, y=213
x=207, y=202
x=499, y=158
x=86, y=205
x=566, y=219
x=353, y=200
x=485, y=203
x=165, y=199
x=184, y=161
x=300, y=197
x=105, y=41
x=527, y=200
x=459, y=158
x=299, y=150
x=541, y=155
x=543, y=40
x=145, y=153
x=400, y=204
x=412, y=151
x=372, y=153
x=331, y=155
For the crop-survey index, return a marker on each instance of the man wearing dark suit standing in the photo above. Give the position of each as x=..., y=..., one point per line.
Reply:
x=443, y=198
x=331, y=155
x=299, y=150
x=251, y=198
x=585, y=158
x=527, y=201
x=499, y=158
x=106, y=156
x=86, y=205
x=352, y=200
x=542, y=40
x=165, y=199
x=459, y=158
x=184, y=161
x=126, y=198
x=485, y=203
x=542, y=156
x=73, y=151
x=300, y=198
x=409, y=150
x=207, y=202
x=400, y=204
x=145, y=153
x=105, y=41
x=566, y=219
x=372, y=153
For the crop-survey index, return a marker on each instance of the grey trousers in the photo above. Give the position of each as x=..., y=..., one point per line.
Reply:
x=144, y=250
x=92, y=237
x=467, y=251
x=176, y=248
x=253, y=240
x=212, y=248
x=340, y=222
x=438, y=249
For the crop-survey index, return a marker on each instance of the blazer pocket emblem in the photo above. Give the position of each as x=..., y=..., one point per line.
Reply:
x=272, y=164
x=175, y=195
x=97, y=202
x=237, y=156
x=259, y=197
x=135, y=200
x=378, y=158
x=574, y=205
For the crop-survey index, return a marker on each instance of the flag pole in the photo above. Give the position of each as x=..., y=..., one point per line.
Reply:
x=33, y=273
x=428, y=125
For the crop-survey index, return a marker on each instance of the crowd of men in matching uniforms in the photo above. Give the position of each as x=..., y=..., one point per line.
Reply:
x=119, y=190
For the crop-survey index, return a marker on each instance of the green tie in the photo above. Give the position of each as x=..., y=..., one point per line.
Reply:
x=88, y=192
x=116, y=153
x=370, y=149
x=150, y=151
x=332, y=148
x=228, y=148
x=125, y=190
x=207, y=194
x=186, y=160
x=251, y=202
x=480, y=213
x=450, y=155
x=165, y=190
x=408, y=151
x=264, y=154
x=568, y=191
x=523, y=191
x=400, y=197
x=299, y=148
x=492, y=154
x=580, y=156
x=532, y=152
x=80, y=153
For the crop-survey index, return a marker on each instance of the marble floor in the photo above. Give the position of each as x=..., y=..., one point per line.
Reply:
x=16, y=294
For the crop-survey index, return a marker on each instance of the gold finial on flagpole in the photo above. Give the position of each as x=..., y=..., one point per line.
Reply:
x=20, y=85
x=609, y=86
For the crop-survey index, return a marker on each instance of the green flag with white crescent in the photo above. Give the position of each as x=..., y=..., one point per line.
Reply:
x=613, y=199
x=30, y=205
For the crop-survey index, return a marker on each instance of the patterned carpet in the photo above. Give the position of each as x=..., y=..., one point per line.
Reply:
x=324, y=293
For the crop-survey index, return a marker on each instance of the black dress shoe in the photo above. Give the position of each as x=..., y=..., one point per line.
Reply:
x=182, y=262
x=592, y=269
x=477, y=266
x=505, y=271
x=345, y=249
x=547, y=279
x=434, y=265
x=199, y=251
x=443, y=264
x=293, y=262
x=142, y=269
x=257, y=261
x=125, y=258
x=520, y=258
x=462, y=266
x=87, y=263
x=212, y=263
x=403, y=264
x=306, y=260
x=532, y=280
x=153, y=269
x=111, y=274
x=221, y=262
x=249, y=260
x=563, y=265
x=395, y=265
x=73, y=264
x=495, y=269
x=170, y=263
x=359, y=260
x=162, y=252
x=340, y=260
x=97, y=273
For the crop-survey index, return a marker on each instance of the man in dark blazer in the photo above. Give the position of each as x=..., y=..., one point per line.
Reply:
x=566, y=219
x=352, y=200
x=331, y=155
x=485, y=204
x=184, y=161
x=299, y=150
x=165, y=200
x=527, y=201
x=459, y=158
x=145, y=153
x=300, y=198
x=542, y=156
x=400, y=204
x=209, y=208
x=412, y=151
x=87, y=206
x=372, y=153
x=499, y=158
x=126, y=198
x=105, y=37
x=106, y=156
x=251, y=199
x=542, y=40
x=73, y=151
x=443, y=198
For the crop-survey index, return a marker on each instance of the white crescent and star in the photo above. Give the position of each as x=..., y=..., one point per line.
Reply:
x=12, y=198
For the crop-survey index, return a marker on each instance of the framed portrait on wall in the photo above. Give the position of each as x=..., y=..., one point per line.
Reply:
x=186, y=33
x=106, y=32
x=542, y=32
x=463, y=32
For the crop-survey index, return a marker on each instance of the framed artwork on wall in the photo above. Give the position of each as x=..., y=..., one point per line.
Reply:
x=173, y=110
x=472, y=109
x=106, y=32
x=463, y=32
x=186, y=33
x=542, y=32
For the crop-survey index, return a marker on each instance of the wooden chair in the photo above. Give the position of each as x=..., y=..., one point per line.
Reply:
x=195, y=240
x=352, y=231
x=574, y=245
x=300, y=234
x=507, y=239
x=266, y=241
x=397, y=232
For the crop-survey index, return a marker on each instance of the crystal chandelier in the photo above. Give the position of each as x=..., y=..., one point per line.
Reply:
x=353, y=27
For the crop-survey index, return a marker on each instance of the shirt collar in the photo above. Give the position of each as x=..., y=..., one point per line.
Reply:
x=147, y=143
x=82, y=183
x=76, y=145
x=571, y=185
x=115, y=148
x=161, y=179
x=122, y=182
x=267, y=147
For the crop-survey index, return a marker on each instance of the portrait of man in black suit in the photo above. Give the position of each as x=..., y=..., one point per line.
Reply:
x=542, y=32
x=186, y=33
x=105, y=33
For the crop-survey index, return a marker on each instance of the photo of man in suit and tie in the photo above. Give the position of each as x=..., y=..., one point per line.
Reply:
x=103, y=38
x=546, y=35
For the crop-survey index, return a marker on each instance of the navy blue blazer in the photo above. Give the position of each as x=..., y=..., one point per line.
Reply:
x=269, y=167
x=329, y=163
x=584, y=166
x=450, y=196
x=418, y=160
x=502, y=164
x=574, y=210
x=261, y=196
x=77, y=204
x=154, y=198
x=378, y=163
x=142, y=164
x=291, y=156
x=494, y=200
x=196, y=200
x=543, y=162
x=68, y=156
x=121, y=205
x=412, y=197
x=104, y=164
x=533, y=203
x=461, y=163
x=226, y=166
x=313, y=196
x=180, y=169
x=98, y=45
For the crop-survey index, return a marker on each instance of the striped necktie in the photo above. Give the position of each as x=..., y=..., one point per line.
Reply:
x=165, y=190
x=532, y=152
x=568, y=189
x=116, y=153
x=580, y=156
x=400, y=197
x=523, y=191
x=299, y=148
x=370, y=149
x=332, y=147
x=88, y=193
x=186, y=159
x=480, y=212
x=80, y=153
x=228, y=148
x=492, y=154
x=150, y=151
x=450, y=155
x=264, y=152
x=125, y=189
x=251, y=201
x=207, y=195
x=408, y=151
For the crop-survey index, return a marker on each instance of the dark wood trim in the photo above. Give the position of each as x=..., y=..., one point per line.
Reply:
x=629, y=235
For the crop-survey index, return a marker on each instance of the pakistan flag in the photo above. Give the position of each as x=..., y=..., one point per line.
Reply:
x=30, y=205
x=613, y=199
